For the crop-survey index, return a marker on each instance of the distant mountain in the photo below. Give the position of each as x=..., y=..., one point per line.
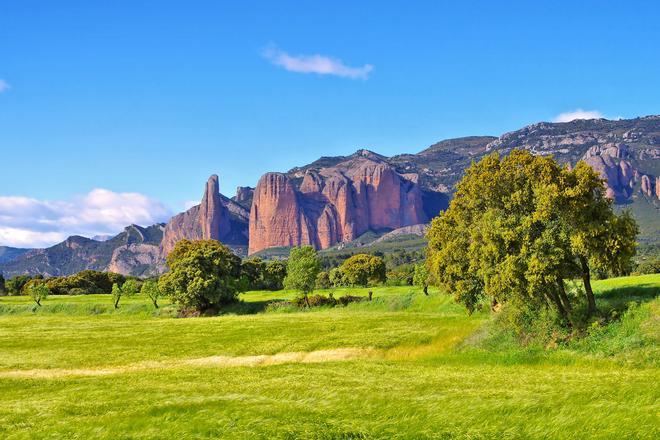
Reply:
x=337, y=199
x=9, y=253
x=135, y=251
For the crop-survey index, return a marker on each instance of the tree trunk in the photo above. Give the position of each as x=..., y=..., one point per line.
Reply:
x=306, y=300
x=426, y=290
x=586, y=280
x=117, y=303
x=39, y=302
x=156, y=303
x=555, y=299
x=563, y=297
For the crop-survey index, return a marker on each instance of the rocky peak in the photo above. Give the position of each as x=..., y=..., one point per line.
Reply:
x=213, y=214
x=208, y=220
x=244, y=196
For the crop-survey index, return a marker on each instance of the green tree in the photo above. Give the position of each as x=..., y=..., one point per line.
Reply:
x=15, y=285
x=117, y=293
x=131, y=287
x=150, y=290
x=519, y=226
x=421, y=277
x=363, y=269
x=336, y=277
x=302, y=268
x=203, y=275
x=323, y=280
x=38, y=291
x=252, y=273
x=3, y=290
x=274, y=275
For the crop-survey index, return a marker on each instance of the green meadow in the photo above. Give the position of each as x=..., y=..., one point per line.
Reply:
x=403, y=365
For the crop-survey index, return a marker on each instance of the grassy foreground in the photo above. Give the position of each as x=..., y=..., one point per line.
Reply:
x=401, y=366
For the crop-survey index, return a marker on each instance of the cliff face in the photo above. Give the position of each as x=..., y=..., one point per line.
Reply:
x=216, y=218
x=276, y=217
x=333, y=204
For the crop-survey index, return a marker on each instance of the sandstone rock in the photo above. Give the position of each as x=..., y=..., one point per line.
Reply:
x=657, y=187
x=334, y=204
x=276, y=217
x=244, y=196
x=647, y=186
x=211, y=219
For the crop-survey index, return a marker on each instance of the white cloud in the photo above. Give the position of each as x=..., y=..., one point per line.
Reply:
x=320, y=64
x=578, y=114
x=4, y=85
x=28, y=222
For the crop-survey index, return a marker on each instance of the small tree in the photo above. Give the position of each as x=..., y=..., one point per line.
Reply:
x=130, y=287
x=37, y=291
x=150, y=290
x=3, y=291
x=421, y=277
x=117, y=293
x=302, y=268
x=363, y=269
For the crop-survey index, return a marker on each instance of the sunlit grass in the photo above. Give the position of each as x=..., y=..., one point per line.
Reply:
x=419, y=377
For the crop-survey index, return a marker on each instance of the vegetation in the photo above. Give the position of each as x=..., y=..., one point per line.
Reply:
x=363, y=269
x=204, y=275
x=3, y=290
x=150, y=290
x=519, y=227
x=404, y=365
x=421, y=277
x=302, y=269
x=38, y=291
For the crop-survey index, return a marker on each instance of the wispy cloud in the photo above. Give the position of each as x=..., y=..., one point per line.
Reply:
x=4, y=85
x=319, y=64
x=28, y=222
x=579, y=114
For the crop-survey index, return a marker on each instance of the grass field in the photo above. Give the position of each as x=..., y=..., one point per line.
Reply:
x=401, y=366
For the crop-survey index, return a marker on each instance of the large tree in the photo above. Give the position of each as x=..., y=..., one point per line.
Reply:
x=301, y=270
x=203, y=275
x=519, y=226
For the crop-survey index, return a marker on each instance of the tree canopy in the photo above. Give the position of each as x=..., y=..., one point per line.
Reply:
x=203, y=274
x=302, y=268
x=363, y=269
x=518, y=227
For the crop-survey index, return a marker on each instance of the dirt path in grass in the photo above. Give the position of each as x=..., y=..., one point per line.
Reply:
x=338, y=354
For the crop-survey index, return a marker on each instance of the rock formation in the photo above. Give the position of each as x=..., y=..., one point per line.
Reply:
x=333, y=204
x=212, y=219
x=276, y=217
x=244, y=196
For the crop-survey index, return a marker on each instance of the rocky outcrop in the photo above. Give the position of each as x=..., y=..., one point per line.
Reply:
x=333, y=204
x=216, y=218
x=244, y=196
x=277, y=217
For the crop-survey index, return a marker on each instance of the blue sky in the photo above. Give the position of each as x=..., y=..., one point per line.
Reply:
x=153, y=97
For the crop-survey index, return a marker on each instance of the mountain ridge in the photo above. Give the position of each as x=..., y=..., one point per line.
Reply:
x=335, y=199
